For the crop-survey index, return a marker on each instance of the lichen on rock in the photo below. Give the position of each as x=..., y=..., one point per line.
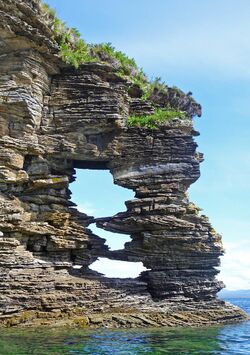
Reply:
x=55, y=118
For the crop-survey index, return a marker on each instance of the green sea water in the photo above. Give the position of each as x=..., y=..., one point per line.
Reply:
x=224, y=340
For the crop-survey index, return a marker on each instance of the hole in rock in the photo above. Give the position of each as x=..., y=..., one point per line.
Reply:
x=95, y=194
x=116, y=268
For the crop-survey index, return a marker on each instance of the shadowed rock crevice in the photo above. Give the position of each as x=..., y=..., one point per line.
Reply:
x=54, y=119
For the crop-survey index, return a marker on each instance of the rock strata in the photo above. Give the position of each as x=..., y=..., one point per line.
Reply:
x=54, y=119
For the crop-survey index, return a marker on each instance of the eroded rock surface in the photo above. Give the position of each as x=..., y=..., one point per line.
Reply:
x=54, y=119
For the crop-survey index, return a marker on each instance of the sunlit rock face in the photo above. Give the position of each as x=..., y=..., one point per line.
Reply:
x=54, y=119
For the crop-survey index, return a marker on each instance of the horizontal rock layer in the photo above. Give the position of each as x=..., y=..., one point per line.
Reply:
x=54, y=119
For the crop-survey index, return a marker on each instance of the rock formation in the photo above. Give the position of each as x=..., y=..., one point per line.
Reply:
x=53, y=119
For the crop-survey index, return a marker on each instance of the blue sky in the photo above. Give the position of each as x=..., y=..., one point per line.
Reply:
x=204, y=47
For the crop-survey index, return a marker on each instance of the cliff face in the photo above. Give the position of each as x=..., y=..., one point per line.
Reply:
x=53, y=119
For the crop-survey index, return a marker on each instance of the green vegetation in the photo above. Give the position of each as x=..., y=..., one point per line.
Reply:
x=155, y=84
x=48, y=10
x=126, y=67
x=108, y=52
x=158, y=117
x=75, y=51
x=72, y=49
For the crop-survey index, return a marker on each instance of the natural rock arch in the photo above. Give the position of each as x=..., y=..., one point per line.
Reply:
x=55, y=119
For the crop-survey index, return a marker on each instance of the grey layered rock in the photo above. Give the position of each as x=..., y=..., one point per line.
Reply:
x=54, y=119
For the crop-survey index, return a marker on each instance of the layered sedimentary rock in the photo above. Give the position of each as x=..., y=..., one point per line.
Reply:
x=53, y=119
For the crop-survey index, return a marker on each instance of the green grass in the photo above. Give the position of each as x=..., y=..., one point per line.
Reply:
x=154, y=120
x=48, y=10
x=74, y=51
x=72, y=48
x=126, y=66
x=155, y=84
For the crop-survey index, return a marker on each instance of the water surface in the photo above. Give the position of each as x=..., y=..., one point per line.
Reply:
x=223, y=340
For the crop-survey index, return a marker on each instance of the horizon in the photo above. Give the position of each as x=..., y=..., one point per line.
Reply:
x=241, y=290
x=194, y=46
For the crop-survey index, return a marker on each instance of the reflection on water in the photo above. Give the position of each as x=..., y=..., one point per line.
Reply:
x=225, y=340
x=231, y=339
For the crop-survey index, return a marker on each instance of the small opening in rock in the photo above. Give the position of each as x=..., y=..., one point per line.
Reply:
x=89, y=246
x=115, y=241
x=116, y=268
x=95, y=194
x=27, y=161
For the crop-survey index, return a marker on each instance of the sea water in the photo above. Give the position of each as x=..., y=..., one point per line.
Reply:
x=224, y=340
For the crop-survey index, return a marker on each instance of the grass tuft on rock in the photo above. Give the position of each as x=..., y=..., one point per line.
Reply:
x=157, y=118
x=74, y=51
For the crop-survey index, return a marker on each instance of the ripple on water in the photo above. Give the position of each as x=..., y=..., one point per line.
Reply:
x=224, y=340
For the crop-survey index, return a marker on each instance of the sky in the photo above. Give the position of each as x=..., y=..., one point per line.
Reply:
x=199, y=46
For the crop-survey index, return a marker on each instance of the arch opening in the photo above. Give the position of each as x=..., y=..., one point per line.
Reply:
x=95, y=194
x=117, y=268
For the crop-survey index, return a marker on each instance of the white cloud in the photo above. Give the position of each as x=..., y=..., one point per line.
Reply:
x=87, y=208
x=114, y=268
x=235, y=265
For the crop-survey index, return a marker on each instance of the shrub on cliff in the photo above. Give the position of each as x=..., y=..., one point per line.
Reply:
x=153, y=121
x=72, y=48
